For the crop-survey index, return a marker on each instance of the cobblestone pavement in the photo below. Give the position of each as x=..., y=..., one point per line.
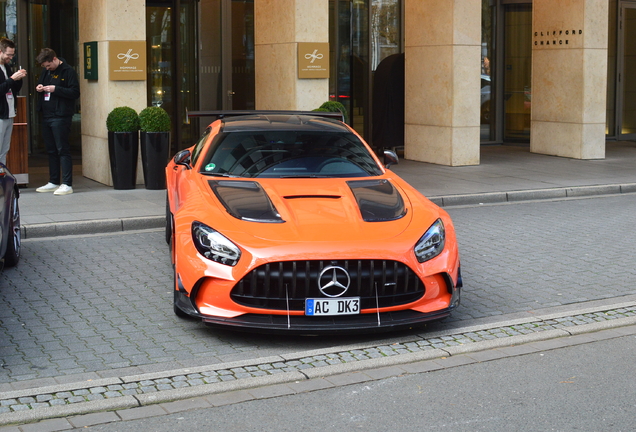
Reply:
x=100, y=306
x=25, y=400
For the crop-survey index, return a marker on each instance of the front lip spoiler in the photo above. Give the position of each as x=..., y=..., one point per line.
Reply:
x=301, y=324
x=304, y=325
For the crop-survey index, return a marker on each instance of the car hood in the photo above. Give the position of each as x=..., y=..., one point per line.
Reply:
x=313, y=210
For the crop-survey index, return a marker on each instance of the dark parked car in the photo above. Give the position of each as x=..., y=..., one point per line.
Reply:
x=10, y=236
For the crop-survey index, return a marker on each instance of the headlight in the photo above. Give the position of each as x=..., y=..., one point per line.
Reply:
x=214, y=246
x=432, y=242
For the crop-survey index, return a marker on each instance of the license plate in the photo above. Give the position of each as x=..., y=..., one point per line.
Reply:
x=333, y=306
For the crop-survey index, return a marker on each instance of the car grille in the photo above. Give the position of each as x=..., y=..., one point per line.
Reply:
x=275, y=285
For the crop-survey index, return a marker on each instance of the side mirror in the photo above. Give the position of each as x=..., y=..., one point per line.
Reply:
x=390, y=158
x=183, y=158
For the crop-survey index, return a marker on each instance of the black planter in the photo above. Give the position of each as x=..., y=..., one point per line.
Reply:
x=123, y=149
x=155, y=147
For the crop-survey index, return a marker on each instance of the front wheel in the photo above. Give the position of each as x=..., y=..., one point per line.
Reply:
x=14, y=243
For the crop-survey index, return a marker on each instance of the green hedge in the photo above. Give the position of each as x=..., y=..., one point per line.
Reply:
x=333, y=106
x=154, y=119
x=122, y=119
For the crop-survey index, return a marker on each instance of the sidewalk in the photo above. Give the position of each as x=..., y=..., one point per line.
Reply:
x=506, y=173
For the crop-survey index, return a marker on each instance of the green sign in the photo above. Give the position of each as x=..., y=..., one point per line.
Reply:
x=90, y=60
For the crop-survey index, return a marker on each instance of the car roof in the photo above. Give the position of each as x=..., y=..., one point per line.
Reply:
x=282, y=122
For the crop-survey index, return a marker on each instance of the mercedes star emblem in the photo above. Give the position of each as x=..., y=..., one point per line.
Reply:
x=333, y=281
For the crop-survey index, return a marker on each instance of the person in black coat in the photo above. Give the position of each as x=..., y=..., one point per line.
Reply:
x=58, y=89
x=10, y=85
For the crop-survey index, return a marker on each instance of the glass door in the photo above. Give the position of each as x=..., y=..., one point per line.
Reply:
x=226, y=52
x=517, y=72
x=44, y=18
x=362, y=33
x=172, y=64
x=488, y=107
x=239, y=43
x=626, y=71
x=39, y=27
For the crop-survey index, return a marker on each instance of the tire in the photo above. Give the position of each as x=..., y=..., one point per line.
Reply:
x=14, y=243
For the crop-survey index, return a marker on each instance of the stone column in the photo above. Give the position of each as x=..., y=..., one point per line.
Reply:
x=104, y=21
x=442, y=67
x=569, y=78
x=279, y=26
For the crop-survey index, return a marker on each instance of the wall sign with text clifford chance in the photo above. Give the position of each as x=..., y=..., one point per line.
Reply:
x=313, y=60
x=127, y=60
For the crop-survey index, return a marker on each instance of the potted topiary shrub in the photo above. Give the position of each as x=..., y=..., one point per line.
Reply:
x=154, y=123
x=122, y=124
x=334, y=106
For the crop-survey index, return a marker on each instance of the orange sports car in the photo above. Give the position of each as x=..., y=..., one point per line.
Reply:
x=288, y=222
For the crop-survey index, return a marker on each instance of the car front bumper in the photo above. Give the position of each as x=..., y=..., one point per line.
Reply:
x=308, y=325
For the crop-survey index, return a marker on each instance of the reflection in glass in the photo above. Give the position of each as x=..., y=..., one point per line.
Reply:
x=160, y=57
x=8, y=19
x=385, y=30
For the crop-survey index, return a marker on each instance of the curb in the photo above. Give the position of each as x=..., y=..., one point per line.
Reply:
x=439, y=353
x=100, y=226
x=22, y=417
x=532, y=195
x=104, y=226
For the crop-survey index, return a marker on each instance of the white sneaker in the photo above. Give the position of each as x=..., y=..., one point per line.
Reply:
x=63, y=190
x=49, y=187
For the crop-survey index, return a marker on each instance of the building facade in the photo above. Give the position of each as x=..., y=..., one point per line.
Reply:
x=443, y=76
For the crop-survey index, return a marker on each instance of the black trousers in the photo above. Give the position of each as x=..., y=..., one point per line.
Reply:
x=56, y=132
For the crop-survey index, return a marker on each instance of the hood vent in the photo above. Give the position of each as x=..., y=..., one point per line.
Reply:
x=378, y=200
x=245, y=200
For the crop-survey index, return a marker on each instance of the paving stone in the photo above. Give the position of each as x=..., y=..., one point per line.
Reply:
x=85, y=336
x=141, y=412
x=87, y=420
x=76, y=399
x=229, y=398
x=185, y=405
x=271, y=391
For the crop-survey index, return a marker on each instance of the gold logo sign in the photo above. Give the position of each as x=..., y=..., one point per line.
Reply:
x=313, y=60
x=127, y=60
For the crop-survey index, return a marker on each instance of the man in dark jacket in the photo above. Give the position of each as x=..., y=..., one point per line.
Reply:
x=58, y=89
x=10, y=85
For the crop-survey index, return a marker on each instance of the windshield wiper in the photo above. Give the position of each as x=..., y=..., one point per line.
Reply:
x=304, y=176
x=213, y=174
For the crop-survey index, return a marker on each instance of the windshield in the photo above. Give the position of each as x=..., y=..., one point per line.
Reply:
x=280, y=154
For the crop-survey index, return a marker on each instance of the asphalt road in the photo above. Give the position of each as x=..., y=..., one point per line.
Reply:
x=102, y=303
x=588, y=387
